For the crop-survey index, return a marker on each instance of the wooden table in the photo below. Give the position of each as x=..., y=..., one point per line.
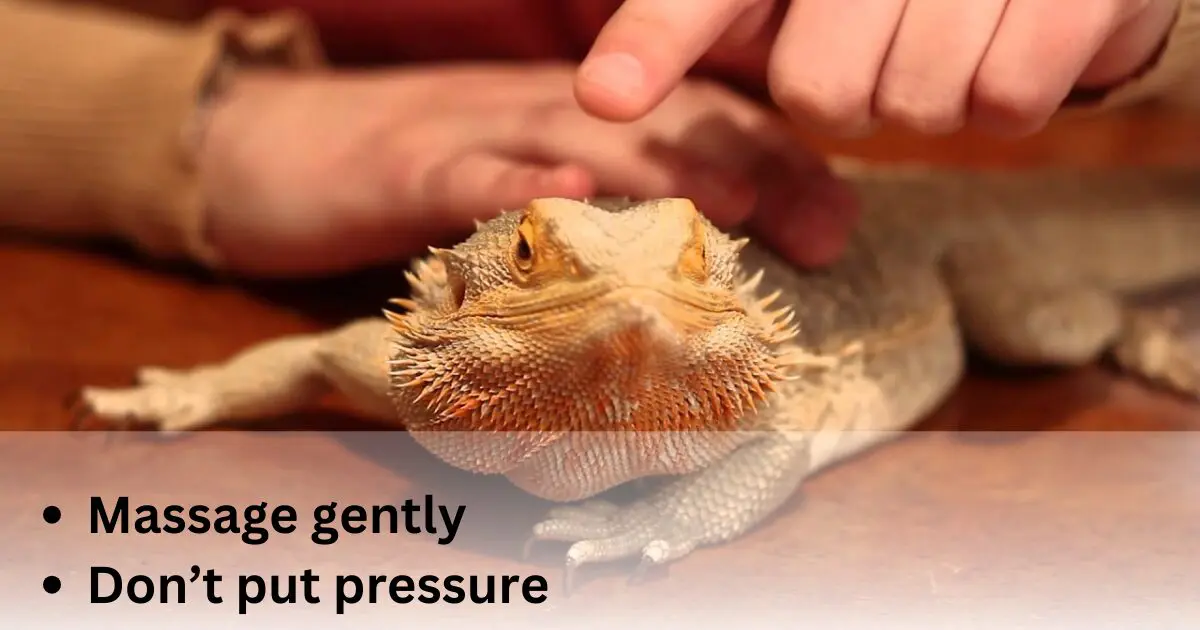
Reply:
x=1051, y=490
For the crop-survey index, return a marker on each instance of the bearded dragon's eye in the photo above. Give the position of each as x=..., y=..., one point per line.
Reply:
x=524, y=252
x=523, y=249
x=458, y=290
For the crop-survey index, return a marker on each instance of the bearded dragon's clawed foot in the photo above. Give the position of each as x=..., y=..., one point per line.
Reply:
x=703, y=508
x=272, y=378
x=1153, y=345
x=168, y=400
x=603, y=532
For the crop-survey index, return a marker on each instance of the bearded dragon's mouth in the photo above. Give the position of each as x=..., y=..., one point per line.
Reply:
x=607, y=304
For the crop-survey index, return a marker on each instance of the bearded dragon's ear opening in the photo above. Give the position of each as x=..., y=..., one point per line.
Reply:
x=457, y=289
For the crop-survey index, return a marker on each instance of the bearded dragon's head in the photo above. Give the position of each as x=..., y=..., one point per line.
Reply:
x=586, y=316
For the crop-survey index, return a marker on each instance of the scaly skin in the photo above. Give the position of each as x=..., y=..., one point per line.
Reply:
x=572, y=348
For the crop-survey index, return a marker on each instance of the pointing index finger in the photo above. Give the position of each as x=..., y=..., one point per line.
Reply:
x=645, y=49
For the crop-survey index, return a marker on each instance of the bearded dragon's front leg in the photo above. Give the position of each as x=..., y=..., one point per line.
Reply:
x=271, y=378
x=706, y=507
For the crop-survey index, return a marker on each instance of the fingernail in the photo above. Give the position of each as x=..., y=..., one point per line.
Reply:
x=620, y=74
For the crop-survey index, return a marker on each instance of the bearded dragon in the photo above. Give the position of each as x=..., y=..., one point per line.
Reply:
x=576, y=345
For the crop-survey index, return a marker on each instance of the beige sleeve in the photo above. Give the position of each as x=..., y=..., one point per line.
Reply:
x=94, y=105
x=1174, y=74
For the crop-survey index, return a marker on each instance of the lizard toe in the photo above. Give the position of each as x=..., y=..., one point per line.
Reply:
x=165, y=407
x=1156, y=346
x=593, y=520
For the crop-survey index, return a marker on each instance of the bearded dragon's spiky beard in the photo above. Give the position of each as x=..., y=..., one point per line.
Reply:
x=522, y=389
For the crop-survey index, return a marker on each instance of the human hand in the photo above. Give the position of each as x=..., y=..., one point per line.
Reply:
x=930, y=65
x=312, y=175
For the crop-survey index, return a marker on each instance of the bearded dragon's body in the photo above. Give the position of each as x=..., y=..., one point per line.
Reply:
x=573, y=347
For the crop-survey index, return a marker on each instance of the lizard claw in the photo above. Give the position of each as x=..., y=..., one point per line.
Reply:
x=569, y=577
x=653, y=556
x=527, y=548
x=76, y=410
x=80, y=411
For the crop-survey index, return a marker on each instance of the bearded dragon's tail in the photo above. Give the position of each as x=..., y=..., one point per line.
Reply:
x=1124, y=228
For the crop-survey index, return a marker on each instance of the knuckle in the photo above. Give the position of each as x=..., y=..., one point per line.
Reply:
x=928, y=114
x=1015, y=100
x=836, y=104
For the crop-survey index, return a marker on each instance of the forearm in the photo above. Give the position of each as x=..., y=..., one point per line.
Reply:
x=94, y=110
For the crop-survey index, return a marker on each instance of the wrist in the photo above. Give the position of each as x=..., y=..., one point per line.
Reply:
x=233, y=70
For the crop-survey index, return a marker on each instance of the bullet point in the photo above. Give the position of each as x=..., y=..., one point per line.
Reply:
x=51, y=514
x=51, y=585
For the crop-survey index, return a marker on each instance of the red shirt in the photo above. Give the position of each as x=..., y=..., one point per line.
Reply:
x=392, y=31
